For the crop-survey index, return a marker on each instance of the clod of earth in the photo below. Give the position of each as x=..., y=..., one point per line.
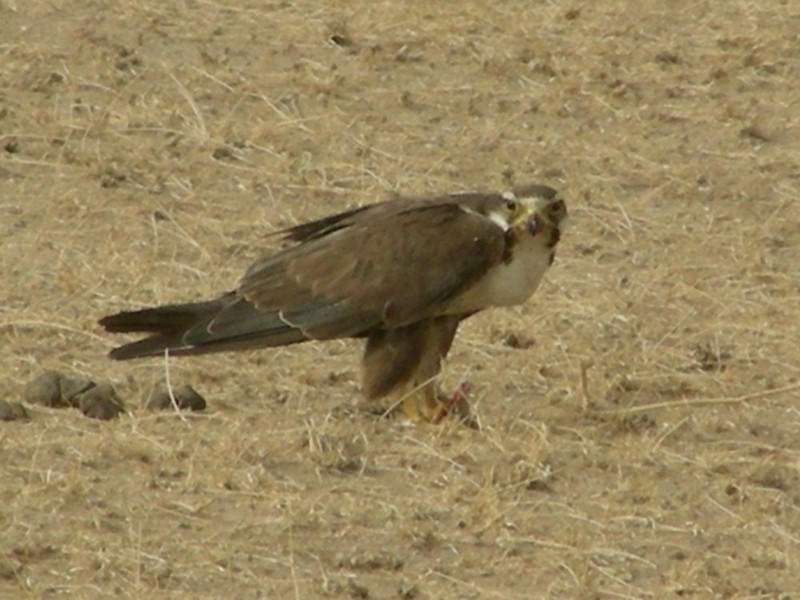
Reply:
x=56, y=390
x=186, y=398
x=13, y=411
x=101, y=402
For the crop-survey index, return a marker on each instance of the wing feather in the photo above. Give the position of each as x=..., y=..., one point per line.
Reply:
x=380, y=267
x=385, y=272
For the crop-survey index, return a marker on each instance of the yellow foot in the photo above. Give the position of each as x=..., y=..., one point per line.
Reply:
x=422, y=406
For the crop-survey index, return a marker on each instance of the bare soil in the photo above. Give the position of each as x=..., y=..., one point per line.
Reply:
x=640, y=415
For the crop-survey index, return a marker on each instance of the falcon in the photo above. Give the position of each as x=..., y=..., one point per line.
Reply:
x=402, y=274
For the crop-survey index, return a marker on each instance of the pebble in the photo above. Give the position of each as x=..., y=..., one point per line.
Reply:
x=13, y=411
x=101, y=402
x=186, y=397
x=56, y=390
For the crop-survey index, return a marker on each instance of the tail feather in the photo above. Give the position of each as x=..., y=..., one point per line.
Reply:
x=226, y=323
x=151, y=346
x=162, y=319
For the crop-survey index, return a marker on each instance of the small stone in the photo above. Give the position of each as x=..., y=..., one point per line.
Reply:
x=45, y=390
x=101, y=402
x=186, y=397
x=222, y=153
x=13, y=411
x=668, y=57
x=72, y=388
x=756, y=132
x=517, y=341
x=157, y=399
x=341, y=39
x=55, y=390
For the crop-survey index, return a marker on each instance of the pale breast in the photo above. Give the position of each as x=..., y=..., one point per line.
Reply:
x=510, y=283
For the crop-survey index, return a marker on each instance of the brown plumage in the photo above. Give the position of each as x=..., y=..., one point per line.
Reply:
x=402, y=274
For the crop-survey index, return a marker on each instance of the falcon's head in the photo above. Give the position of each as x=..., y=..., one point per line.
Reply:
x=534, y=210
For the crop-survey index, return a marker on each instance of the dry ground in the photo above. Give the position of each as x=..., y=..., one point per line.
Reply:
x=149, y=147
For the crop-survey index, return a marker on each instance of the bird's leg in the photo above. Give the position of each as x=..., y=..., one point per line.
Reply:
x=421, y=404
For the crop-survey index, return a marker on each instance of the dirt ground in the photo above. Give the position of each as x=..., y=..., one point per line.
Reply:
x=640, y=415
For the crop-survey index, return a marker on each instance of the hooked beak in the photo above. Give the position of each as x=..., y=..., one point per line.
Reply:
x=545, y=214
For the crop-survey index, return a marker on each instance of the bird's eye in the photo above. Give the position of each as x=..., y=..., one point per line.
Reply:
x=511, y=205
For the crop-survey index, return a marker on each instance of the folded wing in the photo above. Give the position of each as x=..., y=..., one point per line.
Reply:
x=366, y=271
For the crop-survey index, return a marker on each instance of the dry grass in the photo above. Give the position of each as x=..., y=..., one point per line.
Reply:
x=642, y=443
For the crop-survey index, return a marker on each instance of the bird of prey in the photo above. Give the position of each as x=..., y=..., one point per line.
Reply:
x=402, y=274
